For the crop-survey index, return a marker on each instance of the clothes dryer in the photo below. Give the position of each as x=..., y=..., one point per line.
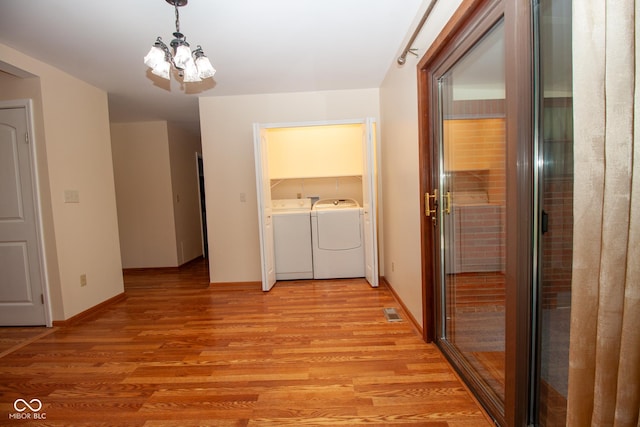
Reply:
x=338, y=239
x=292, y=238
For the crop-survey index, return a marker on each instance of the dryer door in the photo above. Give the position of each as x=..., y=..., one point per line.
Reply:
x=339, y=229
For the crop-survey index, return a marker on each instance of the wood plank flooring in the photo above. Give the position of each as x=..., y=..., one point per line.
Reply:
x=14, y=337
x=194, y=274
x=306, y=353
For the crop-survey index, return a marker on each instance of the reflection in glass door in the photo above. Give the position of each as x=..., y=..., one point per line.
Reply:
x=471, y=215
x=555, y=107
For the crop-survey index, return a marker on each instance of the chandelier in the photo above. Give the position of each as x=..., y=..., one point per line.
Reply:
x=191, y=66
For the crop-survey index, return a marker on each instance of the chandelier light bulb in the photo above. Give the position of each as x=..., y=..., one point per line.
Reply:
x=205, y=69
x=162, y=69
x=191, y=72
x=182, y=57
x=154, y=57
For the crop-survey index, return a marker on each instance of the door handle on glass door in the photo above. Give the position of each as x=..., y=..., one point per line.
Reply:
x=427, y=203
x=447, y=199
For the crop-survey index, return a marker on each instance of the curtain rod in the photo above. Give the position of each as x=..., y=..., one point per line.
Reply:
x=403, y=58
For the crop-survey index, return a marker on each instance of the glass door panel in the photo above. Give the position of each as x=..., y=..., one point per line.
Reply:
x=555, y=109
x=471, y=213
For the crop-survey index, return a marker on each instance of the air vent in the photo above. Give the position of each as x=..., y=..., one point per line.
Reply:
x=392, y=315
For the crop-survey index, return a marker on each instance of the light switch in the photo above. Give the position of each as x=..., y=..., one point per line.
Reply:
x=243, y=197
x=71, y=196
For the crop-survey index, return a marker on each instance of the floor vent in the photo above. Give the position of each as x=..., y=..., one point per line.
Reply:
x=392, y=315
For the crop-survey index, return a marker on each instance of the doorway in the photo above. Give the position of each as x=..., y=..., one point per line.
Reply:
x=279, y=160
x=203, y=206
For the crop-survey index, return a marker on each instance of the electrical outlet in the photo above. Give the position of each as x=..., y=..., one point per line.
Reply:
x=71, y=196
x=83, y=280
x=393, y=266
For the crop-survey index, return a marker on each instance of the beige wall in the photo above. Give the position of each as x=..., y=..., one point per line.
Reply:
x=74, y=153
x=399, y=159
x=315, y=151
x=144, y=195
x=227, y=148
x=157, y=193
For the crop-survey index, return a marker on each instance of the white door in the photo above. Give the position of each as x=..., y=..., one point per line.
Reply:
x=369, y=204
x=265, y=219
x=21, y=280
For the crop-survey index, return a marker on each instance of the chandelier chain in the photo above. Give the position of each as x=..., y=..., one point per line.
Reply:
x=177, y=17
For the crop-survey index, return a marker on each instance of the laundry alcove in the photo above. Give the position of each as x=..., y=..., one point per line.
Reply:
x=331, y=159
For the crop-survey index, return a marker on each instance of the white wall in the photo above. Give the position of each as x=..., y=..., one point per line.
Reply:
x=227, y=148
x=75, y=138
x=399, y=159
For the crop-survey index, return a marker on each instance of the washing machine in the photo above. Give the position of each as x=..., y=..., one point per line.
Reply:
x=338, y=239
x=292, y=238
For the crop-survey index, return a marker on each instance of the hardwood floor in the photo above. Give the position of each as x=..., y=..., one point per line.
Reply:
x=13, y=337
x=305, y=353
x=194, y=274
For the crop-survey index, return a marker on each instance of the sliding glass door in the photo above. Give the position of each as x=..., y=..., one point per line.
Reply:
x=478, y=233
x=470, y=194
x=497, y=181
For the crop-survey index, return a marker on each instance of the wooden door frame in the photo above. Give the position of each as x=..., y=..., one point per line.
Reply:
x=520, y=194
x=441, y=47
x=519, y=133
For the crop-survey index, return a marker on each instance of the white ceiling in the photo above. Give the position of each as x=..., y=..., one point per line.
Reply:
x=257, y=46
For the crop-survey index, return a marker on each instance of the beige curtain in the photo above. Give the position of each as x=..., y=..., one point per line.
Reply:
x=604, y=360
